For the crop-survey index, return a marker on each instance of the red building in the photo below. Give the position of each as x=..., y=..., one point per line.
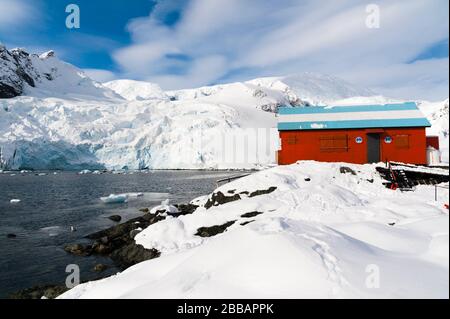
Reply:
x=353, y=134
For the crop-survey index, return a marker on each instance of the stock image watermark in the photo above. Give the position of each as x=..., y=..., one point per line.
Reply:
x=237, y=147
x=373, y=16
x=373, y=277
x=73, y=18
x=73, y=279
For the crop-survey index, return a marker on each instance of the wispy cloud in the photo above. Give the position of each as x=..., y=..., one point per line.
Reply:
x=17, y=14
x=100, y=75
x=221, y=37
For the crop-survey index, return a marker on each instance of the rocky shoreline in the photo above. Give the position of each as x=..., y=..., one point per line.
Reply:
x=117, y=242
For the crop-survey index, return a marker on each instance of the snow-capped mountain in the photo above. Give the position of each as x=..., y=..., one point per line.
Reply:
x=314, y=88
x=59, y=118
x=44, y=75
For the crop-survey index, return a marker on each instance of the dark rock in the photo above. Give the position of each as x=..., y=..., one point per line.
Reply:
x=100, y=267
x=251, y=214
x=144, y=210
x=185, y=209
x=370, y=180
x=307, y=179
x=391, y=224
x=231, y=191
x=101, y=249
x=132, y=254
x=247, y=222
x=11, y=236
x=78, y=249
x=125, y=228
x=213, y=230
x=263, y=191
x=7, y=91
x=37, y=292
x=115, y=218
x=134, y=232
x=219, y=198
x=118, y=243
x=345, y=170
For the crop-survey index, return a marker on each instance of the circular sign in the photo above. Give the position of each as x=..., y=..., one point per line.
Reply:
x=388, y=140
x=359, y=140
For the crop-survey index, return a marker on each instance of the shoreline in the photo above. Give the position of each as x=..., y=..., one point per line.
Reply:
x=115, y=242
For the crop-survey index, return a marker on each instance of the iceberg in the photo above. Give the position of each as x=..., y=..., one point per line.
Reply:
x=115, y=199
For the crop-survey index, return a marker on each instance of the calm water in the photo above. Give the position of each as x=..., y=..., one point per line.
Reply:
x=51, y=204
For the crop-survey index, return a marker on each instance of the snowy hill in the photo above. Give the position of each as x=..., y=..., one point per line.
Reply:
x=64, y=120
x=319, y=234
x=314, y=88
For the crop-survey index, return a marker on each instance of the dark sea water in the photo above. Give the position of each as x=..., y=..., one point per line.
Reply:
x=52, y=203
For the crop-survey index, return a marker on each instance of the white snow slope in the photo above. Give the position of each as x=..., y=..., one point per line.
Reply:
x=68, y=121
x=320, y=234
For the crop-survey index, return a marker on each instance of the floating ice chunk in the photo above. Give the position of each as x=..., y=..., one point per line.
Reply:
x=52, y=231
x=135, y=194
x=14, y=201
x=96, y=172
x=85, y=171
x=114, y=199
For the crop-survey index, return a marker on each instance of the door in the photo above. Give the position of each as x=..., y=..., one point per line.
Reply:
x=373, y=148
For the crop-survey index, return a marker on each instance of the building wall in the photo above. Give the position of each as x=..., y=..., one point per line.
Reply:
x=407, y=145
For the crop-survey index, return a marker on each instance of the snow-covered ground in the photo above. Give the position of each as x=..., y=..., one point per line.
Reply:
x=69, y=121
x=320, y=234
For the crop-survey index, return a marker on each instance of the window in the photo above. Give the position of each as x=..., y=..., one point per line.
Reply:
x=401, y=141
x=292, y=140
x=334, y=143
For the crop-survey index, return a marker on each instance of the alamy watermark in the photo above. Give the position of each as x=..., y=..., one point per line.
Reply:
x=373, y=277
x=73, y=19
x=373, y=16
x=73, y=279
x=237, y=147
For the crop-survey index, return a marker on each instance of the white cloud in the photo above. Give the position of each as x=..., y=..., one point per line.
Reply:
x=222, y=37
x=100, y=75
x=16, y=13
x=203, y=70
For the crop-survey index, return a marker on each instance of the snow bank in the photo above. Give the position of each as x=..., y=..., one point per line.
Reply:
x=165, y=208
x=320, y=234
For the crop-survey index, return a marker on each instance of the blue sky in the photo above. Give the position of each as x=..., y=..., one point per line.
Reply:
x=189, y=43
